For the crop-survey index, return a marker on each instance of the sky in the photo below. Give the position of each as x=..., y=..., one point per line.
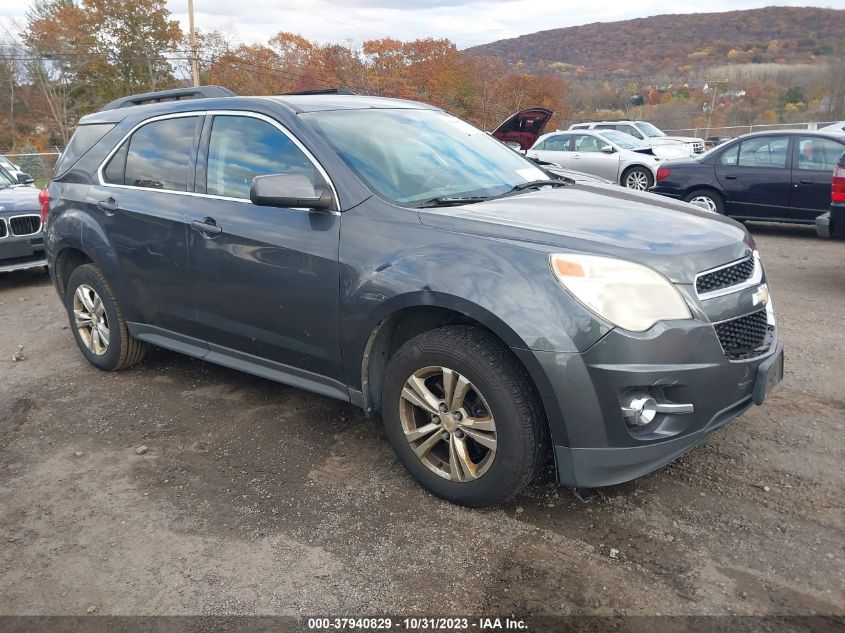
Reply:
x=465, y=22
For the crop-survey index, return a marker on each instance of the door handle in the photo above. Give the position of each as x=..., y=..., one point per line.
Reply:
x=806, y=181
x=730, y=177
x=207, y=226
x=109, y=206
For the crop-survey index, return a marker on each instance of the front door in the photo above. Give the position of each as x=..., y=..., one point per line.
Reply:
x=587, y=157
x=756, y=178
x=265, y=279
x=813, y=161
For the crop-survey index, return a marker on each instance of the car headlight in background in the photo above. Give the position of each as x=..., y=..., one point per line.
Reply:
x=631, y=296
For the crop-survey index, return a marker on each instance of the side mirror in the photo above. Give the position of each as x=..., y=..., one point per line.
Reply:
x=607, y=149
x=290, y=191
x=25, y=179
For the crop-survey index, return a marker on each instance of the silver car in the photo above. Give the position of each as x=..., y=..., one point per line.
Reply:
x=609, y=154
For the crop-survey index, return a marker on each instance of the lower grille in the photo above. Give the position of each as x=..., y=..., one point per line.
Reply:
x=725, y=277
x=745, y=336
x=3, y=230
x=25, y=224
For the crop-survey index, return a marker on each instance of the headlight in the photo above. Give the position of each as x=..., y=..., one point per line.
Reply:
x=631, y=296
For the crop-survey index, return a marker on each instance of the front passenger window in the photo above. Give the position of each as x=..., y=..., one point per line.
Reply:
x=242, y=148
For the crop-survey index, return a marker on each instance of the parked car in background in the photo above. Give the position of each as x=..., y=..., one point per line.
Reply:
x=19, y=176
x=779, y=176
x=839, y=126
x=522, y=129
x=489, y=313
x=646, y=132
x=609, y=154
x=832, y=223
x=713, y=141
x=21, y=235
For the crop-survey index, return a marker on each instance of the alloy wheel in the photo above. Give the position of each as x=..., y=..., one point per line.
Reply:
x=704, y=202
x=90, y=319
x=637, y=179
x=448, y=424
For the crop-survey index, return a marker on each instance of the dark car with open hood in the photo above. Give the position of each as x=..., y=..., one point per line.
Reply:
x=21, y=237
x=388, y=254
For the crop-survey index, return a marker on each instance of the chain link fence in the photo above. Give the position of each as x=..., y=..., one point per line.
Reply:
x=39, y=165
x=737, y=130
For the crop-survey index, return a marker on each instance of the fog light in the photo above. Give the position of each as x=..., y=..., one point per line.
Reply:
x=639, y=408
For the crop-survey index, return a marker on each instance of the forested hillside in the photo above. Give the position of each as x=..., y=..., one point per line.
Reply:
x=676, y=43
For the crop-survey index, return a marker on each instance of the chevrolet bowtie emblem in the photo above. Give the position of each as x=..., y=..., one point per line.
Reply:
x=761, y=296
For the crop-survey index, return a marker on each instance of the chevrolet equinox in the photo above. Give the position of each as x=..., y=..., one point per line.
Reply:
x=388, y=254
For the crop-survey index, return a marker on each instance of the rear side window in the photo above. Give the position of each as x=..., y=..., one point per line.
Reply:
x=85, y=137
x=558, y=143
x=158, y=155
x=242, y=148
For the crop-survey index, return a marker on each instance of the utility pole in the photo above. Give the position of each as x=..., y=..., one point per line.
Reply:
x=712, y=104
x=195, y=70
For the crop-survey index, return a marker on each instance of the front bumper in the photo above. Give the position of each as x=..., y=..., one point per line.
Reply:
x=682, y=361
x=21, y=253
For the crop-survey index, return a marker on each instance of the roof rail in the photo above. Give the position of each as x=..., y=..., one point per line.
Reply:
x=323, y=91
x=202, y=92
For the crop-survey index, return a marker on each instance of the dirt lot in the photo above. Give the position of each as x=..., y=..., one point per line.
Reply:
x=256, y=498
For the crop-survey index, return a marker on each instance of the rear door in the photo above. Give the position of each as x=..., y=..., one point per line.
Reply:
x=755, y=177
x=813, y=161
x=266, y=279
x=555, y=149
x=142, y=204
x=587, y=157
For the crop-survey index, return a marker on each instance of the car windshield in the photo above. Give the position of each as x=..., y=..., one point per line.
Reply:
x=649, y=130
x=5, y=162
x=411, y=156
x=625, y=141
x=6, y=179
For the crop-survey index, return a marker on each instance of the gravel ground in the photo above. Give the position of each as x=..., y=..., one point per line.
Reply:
x=256, y=498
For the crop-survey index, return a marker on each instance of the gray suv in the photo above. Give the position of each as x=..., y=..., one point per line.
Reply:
x=390, y=255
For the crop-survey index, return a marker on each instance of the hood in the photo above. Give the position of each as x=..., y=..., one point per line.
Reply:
x=685, y=139
x=19, y=199
x=674, y=238
x=524, y=127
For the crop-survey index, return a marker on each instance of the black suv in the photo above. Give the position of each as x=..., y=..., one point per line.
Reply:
x=388, y=254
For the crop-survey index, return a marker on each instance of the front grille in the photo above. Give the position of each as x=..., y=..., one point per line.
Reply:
x=744, y=336
x=25, y=224
x=725, y=277
x=3, y=230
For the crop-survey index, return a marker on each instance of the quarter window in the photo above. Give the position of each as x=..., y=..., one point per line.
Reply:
x=817, y=154
x=242, y=148
x=765, y=151
x=158, y=155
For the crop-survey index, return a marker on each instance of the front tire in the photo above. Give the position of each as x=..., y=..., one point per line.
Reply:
x=637, y=178
x=97, y=321
x=463, y=416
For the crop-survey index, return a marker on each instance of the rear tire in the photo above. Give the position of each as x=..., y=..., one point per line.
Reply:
x=493, y=400
x=97, y=322
x=637, y=178
x=707, y=198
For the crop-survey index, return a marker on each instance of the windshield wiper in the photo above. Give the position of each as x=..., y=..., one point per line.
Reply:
x=451, y=201
x=536, y=184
